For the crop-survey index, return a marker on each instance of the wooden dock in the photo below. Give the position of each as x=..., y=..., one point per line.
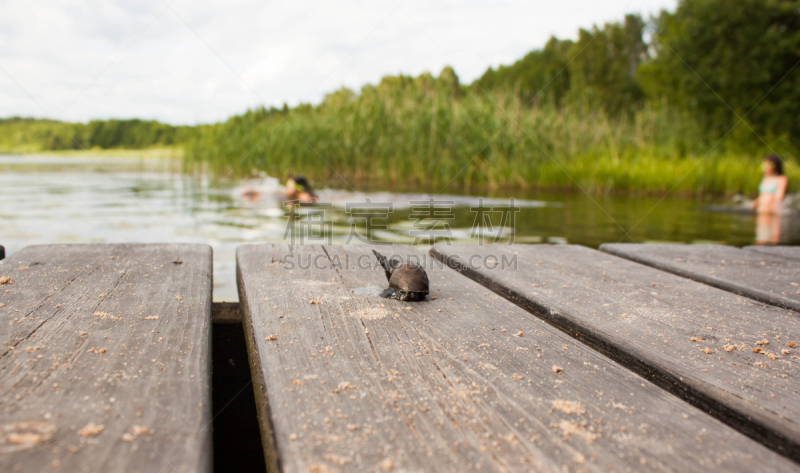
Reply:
x=725, y=354
x=524, y=358
x=105, y=358
x=764, y=274
x=788, y=252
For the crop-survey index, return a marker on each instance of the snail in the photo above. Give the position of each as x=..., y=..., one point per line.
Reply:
x=408, y=281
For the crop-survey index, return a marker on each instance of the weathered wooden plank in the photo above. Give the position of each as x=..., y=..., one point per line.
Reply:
x=225, y=313
x=348, y=381
x=770, y=279
x=692, y=339
x=104, y=362
x=787, y=252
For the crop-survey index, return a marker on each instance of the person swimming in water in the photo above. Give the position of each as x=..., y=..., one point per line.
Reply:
x=772, y=188
x=298, y=189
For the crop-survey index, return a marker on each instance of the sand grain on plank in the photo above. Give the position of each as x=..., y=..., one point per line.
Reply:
x=671, y=329
x=757, y=275
x=449, y=385
x=121, y=391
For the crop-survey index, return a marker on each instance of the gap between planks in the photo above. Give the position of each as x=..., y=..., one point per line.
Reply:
x=449, y=359
x=560, y=307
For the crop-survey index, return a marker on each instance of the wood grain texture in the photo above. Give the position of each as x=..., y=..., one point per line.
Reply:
x=692, y=339
x=348, y=381
x=787, y=252
x=770, y=279
x=225, y=313
x=105, y=359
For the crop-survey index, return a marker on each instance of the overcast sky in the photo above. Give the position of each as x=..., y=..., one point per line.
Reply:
x=201, y=61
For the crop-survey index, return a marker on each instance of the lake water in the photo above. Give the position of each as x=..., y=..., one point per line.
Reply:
x=109, y=200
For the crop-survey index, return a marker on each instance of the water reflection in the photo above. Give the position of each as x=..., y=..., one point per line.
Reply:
x=72, y=200
x=769, y=228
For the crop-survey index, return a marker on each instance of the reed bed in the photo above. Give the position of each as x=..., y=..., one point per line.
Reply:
x=426, y=133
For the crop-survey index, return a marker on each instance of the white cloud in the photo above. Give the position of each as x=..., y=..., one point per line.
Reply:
x=201, y=61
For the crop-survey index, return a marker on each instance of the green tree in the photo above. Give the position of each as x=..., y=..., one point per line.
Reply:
x=723, y=58
x=541, y=77
x=603, y=65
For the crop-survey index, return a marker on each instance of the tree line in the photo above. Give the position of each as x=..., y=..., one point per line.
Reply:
x=725, y=62
x=19, y=134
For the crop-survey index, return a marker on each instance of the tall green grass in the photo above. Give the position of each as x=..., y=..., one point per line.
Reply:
x=428, y=132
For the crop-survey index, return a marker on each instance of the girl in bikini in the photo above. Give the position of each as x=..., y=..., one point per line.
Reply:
x=768, y=204
x=772, y=187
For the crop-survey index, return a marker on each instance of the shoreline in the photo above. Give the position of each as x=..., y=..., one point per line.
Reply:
x=147, y=153
x=177, y=155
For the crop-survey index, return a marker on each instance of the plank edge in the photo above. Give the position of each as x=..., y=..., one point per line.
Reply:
x=719, y=283
x=269, y=441
x=672, y=383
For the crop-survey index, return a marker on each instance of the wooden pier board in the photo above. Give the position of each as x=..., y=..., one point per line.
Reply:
x=104, y=358
x=692, y=339
x=348, y=381
x=770, y=279
x=787, y=252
